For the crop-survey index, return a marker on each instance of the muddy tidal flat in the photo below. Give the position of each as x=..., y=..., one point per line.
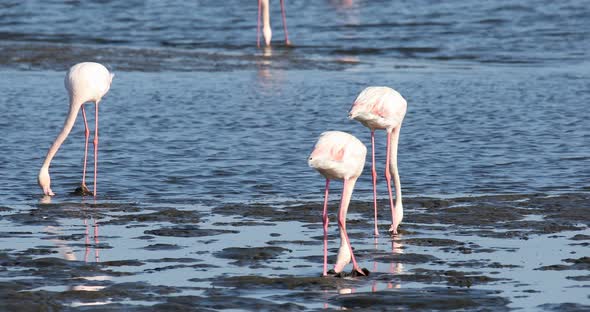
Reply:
x=499, y=253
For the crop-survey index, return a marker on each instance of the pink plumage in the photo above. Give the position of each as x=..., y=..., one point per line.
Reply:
x=339, y=155
x=383, y=108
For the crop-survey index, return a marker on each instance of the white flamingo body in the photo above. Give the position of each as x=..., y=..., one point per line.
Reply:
x=88, y=81
x=382, y=108
x=85, y=82
x=379, y=108
x=339, y=155
x=336, y=155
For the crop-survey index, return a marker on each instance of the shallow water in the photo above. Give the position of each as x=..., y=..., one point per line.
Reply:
x=205, y=198
x=241, y=135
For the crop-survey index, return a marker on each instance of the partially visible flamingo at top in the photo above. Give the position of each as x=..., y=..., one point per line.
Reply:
x=263, y=12
x=383, y=108
x=85, y=82
x=339, y=155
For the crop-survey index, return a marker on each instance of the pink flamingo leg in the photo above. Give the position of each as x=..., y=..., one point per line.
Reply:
x=258, y=24
x=374, y=172
x=388, y=178
x=342, y=222
x=95, y=146
x=87, y=135
x=325, y=221
x=287, y=42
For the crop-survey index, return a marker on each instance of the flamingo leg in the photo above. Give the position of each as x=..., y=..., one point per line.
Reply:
x=346, y=193
x=86, y=135
x=287, y=42
x=374, y=172
x=95, y=145
x=388, y=178
x=325, y=221
x=258, y=24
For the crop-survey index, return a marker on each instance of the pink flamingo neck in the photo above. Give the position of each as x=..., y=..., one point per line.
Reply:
x=344, y=203
x=397, y=212
x=396, y=179
x=61, y=137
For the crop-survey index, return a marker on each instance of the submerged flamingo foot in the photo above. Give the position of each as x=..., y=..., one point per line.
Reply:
x=83, y=190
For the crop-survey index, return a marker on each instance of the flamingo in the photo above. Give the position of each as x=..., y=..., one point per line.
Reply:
x=339, y=155
x=263, y=8
x=85, y=82
x=383, y=108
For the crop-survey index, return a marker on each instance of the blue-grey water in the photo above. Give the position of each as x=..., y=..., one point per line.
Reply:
x=198, y=118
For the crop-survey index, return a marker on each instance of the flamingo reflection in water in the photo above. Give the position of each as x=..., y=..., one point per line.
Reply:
x=69, y=254
x=395, y=267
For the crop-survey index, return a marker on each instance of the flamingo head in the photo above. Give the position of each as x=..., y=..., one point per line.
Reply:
x=358, y=108
x=45, y=181
x=357, y=111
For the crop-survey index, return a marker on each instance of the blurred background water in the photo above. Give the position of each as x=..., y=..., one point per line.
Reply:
x=529, y=32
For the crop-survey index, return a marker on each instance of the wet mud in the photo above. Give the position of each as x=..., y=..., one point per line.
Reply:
x=424, y=299
x=57, y=56
x=472, y=253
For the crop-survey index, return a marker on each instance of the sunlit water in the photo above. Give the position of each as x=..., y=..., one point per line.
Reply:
x=198, y=118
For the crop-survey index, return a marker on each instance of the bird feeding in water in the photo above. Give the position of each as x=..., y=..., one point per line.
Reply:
x=383, y=108
x=339, y=155
x=264, y=14
x=85, y=82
